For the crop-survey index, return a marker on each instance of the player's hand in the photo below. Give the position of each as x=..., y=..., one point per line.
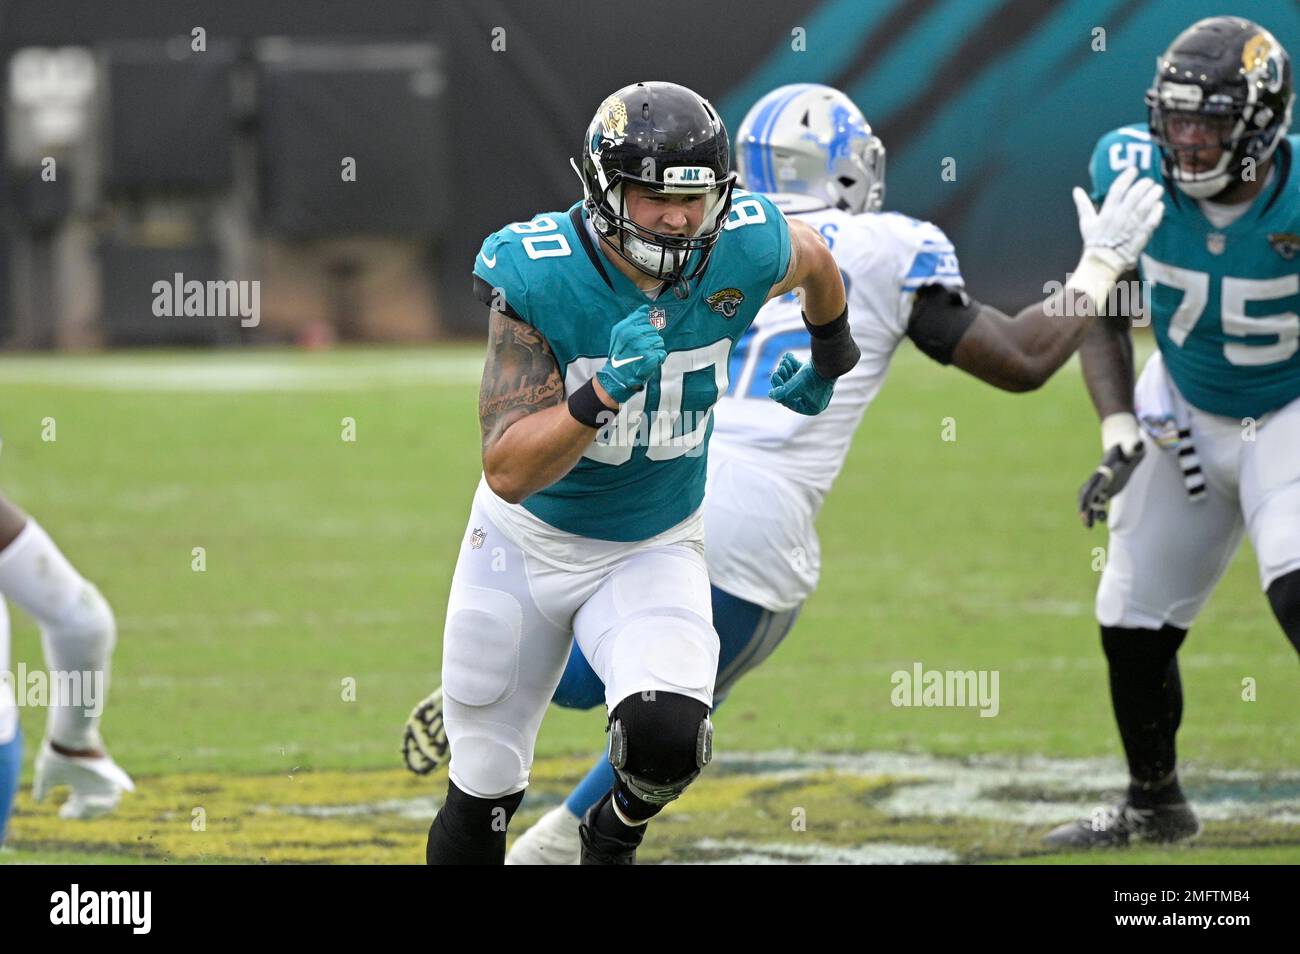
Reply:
x=1116, y=233
x=636, y=352
x=1124, y=449
x=799, y=387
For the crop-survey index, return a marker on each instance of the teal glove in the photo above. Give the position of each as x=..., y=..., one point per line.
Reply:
x=800, y=388
x=636, y=352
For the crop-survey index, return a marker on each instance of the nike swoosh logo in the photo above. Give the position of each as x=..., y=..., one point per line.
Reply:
x=490, y=262
x=616, y=363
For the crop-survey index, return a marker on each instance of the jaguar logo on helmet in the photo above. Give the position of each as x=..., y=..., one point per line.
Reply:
x=1261, y=59
x=726, y=302
x=613, y=118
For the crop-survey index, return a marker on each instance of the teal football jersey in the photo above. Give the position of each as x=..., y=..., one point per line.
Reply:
x=645, y=473
x=1225, y=303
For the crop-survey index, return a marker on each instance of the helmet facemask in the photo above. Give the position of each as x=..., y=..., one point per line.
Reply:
x=659, y=254
x=858, y=183
x=1174, y=109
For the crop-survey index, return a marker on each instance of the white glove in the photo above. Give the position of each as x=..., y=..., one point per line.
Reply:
x=1114, y=236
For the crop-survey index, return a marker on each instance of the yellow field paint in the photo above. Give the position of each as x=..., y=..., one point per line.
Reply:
x=764, y=807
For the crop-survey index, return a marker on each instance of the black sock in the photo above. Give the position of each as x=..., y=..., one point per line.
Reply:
x=1284, y=596
x=1147, y=696
x=469, y=830
x=608, y=823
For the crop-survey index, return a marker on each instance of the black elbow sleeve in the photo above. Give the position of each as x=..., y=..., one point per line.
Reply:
x=834, y=352
x=940, y=316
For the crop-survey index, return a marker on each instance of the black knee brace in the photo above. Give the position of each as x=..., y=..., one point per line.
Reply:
x=469, y=830
x=658, y=742
x=1147, y=694
x=1284, y=594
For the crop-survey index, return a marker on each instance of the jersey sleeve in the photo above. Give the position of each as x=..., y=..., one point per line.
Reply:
x=499, y=279
x=926, y=257
x=764, y=234
x=1115, y=152
x=930, y=259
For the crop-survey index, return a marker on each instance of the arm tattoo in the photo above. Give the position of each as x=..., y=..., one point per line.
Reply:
x=520, y=376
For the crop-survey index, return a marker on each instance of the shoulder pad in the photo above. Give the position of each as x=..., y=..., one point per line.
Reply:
x=506, y=261
x=758, y=229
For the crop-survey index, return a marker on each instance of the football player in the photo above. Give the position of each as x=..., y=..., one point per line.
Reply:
x=1208, y=447
x=769, y=469
x=77, y=634
x=610, y=328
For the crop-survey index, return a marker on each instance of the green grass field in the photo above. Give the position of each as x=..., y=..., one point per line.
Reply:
x=329, y=560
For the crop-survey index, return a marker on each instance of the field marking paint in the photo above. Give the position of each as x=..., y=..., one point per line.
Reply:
x=239, y=373
x=931, y=810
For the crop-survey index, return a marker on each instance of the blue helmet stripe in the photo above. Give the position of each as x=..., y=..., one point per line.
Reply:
x=769, y=174
x=754, y=149
x=758, y=156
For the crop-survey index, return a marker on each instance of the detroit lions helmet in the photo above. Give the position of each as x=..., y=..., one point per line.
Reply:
x=670, y=139
x=811, y=139
x=1232, y=78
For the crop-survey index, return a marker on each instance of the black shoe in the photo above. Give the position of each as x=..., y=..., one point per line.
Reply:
x=1122, y=824
x=601, y=849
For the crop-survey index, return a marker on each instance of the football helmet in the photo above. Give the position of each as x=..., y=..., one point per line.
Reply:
x=811, y=139
x=672, y=140
x=1232, y=77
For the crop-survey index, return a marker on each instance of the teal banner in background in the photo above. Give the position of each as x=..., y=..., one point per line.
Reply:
x=1015, y=92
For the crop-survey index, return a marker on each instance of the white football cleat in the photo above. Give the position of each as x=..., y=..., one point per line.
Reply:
x=97, y=783
x=552, y=841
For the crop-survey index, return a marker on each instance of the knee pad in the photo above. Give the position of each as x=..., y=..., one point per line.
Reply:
x=1284, y=595
x=658, y=743
x=480, y=647
x=87, y=618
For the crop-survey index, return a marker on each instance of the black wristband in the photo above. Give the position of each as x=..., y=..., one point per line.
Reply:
x=587, y=408
x=834, y=352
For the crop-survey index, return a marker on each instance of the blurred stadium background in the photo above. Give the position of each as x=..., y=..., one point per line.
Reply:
x=226, y=163
x=330, y=560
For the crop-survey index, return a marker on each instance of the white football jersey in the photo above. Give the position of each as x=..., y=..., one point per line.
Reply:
x=793, y=459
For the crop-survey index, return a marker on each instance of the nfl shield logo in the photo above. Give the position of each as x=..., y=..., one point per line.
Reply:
x=1216, y=242
x=477, y=537
x=658, y=319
